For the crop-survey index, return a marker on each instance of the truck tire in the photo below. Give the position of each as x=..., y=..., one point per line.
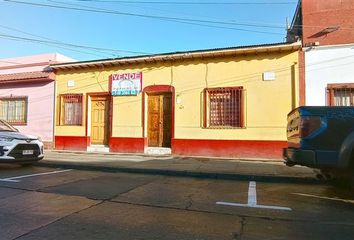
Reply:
x=351, y=181
x=351, y=170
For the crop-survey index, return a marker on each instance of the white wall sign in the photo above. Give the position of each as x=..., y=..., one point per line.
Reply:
x=71, y=83
x=126, y=84
x=268, y=76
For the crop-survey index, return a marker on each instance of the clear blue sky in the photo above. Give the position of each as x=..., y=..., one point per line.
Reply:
x=159, y=28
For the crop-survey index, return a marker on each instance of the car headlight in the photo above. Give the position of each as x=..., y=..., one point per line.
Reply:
x=39, y=139
x=6, y=139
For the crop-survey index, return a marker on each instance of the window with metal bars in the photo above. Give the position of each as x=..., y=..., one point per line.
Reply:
x=340, y=94
x=223, y=107
x=14, y=110
x=71, y=109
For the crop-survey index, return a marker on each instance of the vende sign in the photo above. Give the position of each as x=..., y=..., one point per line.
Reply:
x=126, y=84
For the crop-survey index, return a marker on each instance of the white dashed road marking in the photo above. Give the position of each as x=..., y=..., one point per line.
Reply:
x=252, y=200
x=14, y=179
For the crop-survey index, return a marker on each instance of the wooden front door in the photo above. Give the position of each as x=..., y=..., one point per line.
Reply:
x=159, y=120
x=99, y=120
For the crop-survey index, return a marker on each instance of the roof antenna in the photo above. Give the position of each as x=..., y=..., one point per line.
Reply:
x=287, y=23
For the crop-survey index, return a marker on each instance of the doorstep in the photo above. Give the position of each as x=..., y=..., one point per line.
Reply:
x=98, y=148
x=157, y=151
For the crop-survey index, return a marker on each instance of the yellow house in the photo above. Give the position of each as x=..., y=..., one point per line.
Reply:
x=229, y=102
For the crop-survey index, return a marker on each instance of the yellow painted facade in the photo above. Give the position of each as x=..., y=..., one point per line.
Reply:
x=264, y=107
x=266, y=102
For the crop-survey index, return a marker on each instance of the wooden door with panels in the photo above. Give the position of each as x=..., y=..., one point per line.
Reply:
x=99, y=120
x=159, y=120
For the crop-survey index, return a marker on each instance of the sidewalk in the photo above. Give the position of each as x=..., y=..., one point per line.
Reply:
x=267, y=170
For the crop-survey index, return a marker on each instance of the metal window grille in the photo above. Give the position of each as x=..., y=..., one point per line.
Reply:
x=224, y=107
x=72, y=109
x=343, y=97
x=14, y=110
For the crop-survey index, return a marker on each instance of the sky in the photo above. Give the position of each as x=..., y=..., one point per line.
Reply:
x=99, y=29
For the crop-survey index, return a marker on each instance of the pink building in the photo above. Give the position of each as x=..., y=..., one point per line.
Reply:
x=27, y=93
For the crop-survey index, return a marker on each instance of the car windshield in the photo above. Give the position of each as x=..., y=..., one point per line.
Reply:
x=4, y=126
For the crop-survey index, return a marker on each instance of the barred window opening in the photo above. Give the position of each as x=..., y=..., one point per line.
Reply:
x=71, y=105
x=344, y=97
x=341, y=95
x=224, y=107
x=14, y=110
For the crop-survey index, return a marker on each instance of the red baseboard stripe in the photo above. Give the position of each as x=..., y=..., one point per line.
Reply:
x=229, y=148
x=126, y=145
x=187, y=147
x=71, y=143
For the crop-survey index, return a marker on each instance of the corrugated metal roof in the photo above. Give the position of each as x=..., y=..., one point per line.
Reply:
x=26, y=76
x=216, y=52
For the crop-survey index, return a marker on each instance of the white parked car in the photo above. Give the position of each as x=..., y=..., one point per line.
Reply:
x=16, y=147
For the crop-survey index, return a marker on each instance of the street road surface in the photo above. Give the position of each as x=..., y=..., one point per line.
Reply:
x=47, y=203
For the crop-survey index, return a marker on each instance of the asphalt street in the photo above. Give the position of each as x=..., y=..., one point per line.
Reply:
x=48, y=203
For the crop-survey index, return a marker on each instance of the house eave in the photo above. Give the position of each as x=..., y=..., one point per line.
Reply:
x=202, y=54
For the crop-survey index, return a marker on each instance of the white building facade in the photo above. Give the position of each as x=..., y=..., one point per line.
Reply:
x=329, y=72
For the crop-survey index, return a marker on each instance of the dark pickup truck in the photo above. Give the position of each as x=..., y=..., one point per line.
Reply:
x=322, y=138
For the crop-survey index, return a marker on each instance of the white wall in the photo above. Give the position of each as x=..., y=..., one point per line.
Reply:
x=326, y=65
x=33, y=63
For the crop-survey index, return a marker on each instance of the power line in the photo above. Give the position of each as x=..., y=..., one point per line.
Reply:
x=174, y=19
x=104, y=50
x=192, y=3
x=47, y=43
x=187, y=21
x=231, y=22
x=16, y=38
x=145, y=7
x=231, y=28
x=190, y=21
x=68, y=46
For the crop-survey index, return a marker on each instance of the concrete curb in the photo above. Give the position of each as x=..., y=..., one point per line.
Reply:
x=179, y=173
x=260, y=160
